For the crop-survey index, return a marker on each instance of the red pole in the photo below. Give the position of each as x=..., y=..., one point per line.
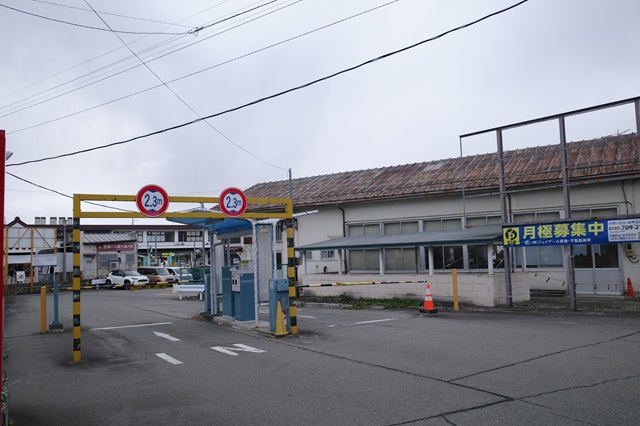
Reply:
x=3, y=150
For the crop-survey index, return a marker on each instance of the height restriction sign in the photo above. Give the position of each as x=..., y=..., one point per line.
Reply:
x=233, y=202
x=152, y=200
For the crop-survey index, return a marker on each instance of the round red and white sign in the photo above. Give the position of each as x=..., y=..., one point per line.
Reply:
x=233, y=202
x=152, y=200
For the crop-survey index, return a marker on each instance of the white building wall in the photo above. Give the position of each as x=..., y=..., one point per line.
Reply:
x=328, y=223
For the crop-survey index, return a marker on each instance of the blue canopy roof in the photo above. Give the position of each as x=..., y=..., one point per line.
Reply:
x=219, y=226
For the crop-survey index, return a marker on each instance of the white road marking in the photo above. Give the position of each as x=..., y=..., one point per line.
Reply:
x=168, y=358
x=166, y=336
x=364, y=322
x=306, y=316
x=131, y=326
x=238, y=347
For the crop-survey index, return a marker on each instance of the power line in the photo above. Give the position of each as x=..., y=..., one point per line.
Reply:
x=100, y=56
x=63, y=194
x=178, y=96
x=114, y=14
x=89, y=26
x=293, y=89
x=41, y=101
x=199, y=71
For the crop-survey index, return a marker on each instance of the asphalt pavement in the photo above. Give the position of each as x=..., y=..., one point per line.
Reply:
x=149, y=359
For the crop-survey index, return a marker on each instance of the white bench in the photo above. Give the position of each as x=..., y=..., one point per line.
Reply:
x=188, y=288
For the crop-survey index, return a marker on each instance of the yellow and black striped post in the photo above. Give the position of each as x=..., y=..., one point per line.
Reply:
x=293, y=278
x=76, y=278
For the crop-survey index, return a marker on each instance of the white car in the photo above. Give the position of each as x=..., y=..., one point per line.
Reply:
x=126, y=279
x=180, y=274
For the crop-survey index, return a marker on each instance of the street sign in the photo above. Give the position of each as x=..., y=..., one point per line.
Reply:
x=573, y=232
x=233, y=202
x=152, y=200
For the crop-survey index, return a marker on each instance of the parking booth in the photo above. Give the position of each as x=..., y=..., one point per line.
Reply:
x=243, y=294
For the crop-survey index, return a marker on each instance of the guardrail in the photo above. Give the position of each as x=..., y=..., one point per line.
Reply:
x=188, y=288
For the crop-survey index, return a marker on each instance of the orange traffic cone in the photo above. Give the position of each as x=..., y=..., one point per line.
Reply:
x=428, y=303
x=630, y=292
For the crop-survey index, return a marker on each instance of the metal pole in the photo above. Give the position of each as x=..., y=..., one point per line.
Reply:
x=43, y=309
x=290, y=186
x=568, y=250
x=454, y=280
x=274, y=249
x=212, y=273
x=3, y=147
x=637, y=105
x=505, y=218
x=254, y=255
x=55, y=325
x=64, y=249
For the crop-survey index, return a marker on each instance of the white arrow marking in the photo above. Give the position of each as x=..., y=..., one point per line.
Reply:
x=166, y=336
x=168, y=358
x=238, y=347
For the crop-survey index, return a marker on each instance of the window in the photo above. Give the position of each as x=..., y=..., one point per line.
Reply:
x=140, y=236
x=364, y=230
x=327, y=254
x=107, y=260
x=160, y=236
x=189, y=236
x=400, y=259
x=478, y=257
x=484, y=220
x=404, y=258
x=442, y=225
x=364, y=260
x=395, y=228
x=448, y=257
x=539, y=257
x=596, y=255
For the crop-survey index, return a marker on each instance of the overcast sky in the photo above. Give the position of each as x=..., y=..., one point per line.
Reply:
x=540, y=58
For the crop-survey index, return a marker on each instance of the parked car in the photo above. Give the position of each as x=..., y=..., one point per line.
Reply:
x=120, y=278
x=180, y=274
x=157, y=274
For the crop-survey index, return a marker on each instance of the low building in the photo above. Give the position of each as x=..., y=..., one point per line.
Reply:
x=33, y=251
x=368, y=222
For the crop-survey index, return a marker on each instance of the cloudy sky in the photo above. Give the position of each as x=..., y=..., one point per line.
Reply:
x=69, y=84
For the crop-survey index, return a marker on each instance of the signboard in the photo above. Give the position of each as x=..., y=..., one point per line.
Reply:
x=572, y=232
x=233, y=202
x=152, y=200
x=116, y=247
x=45, y=260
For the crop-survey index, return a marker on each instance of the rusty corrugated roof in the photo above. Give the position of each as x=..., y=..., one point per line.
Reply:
x=615, y=156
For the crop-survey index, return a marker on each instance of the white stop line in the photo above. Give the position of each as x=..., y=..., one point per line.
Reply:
x=239, y=347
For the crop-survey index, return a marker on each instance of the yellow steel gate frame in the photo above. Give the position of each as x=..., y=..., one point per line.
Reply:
x=79, y=214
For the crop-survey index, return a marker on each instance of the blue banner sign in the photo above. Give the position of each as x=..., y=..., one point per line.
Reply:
x=572, y=232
